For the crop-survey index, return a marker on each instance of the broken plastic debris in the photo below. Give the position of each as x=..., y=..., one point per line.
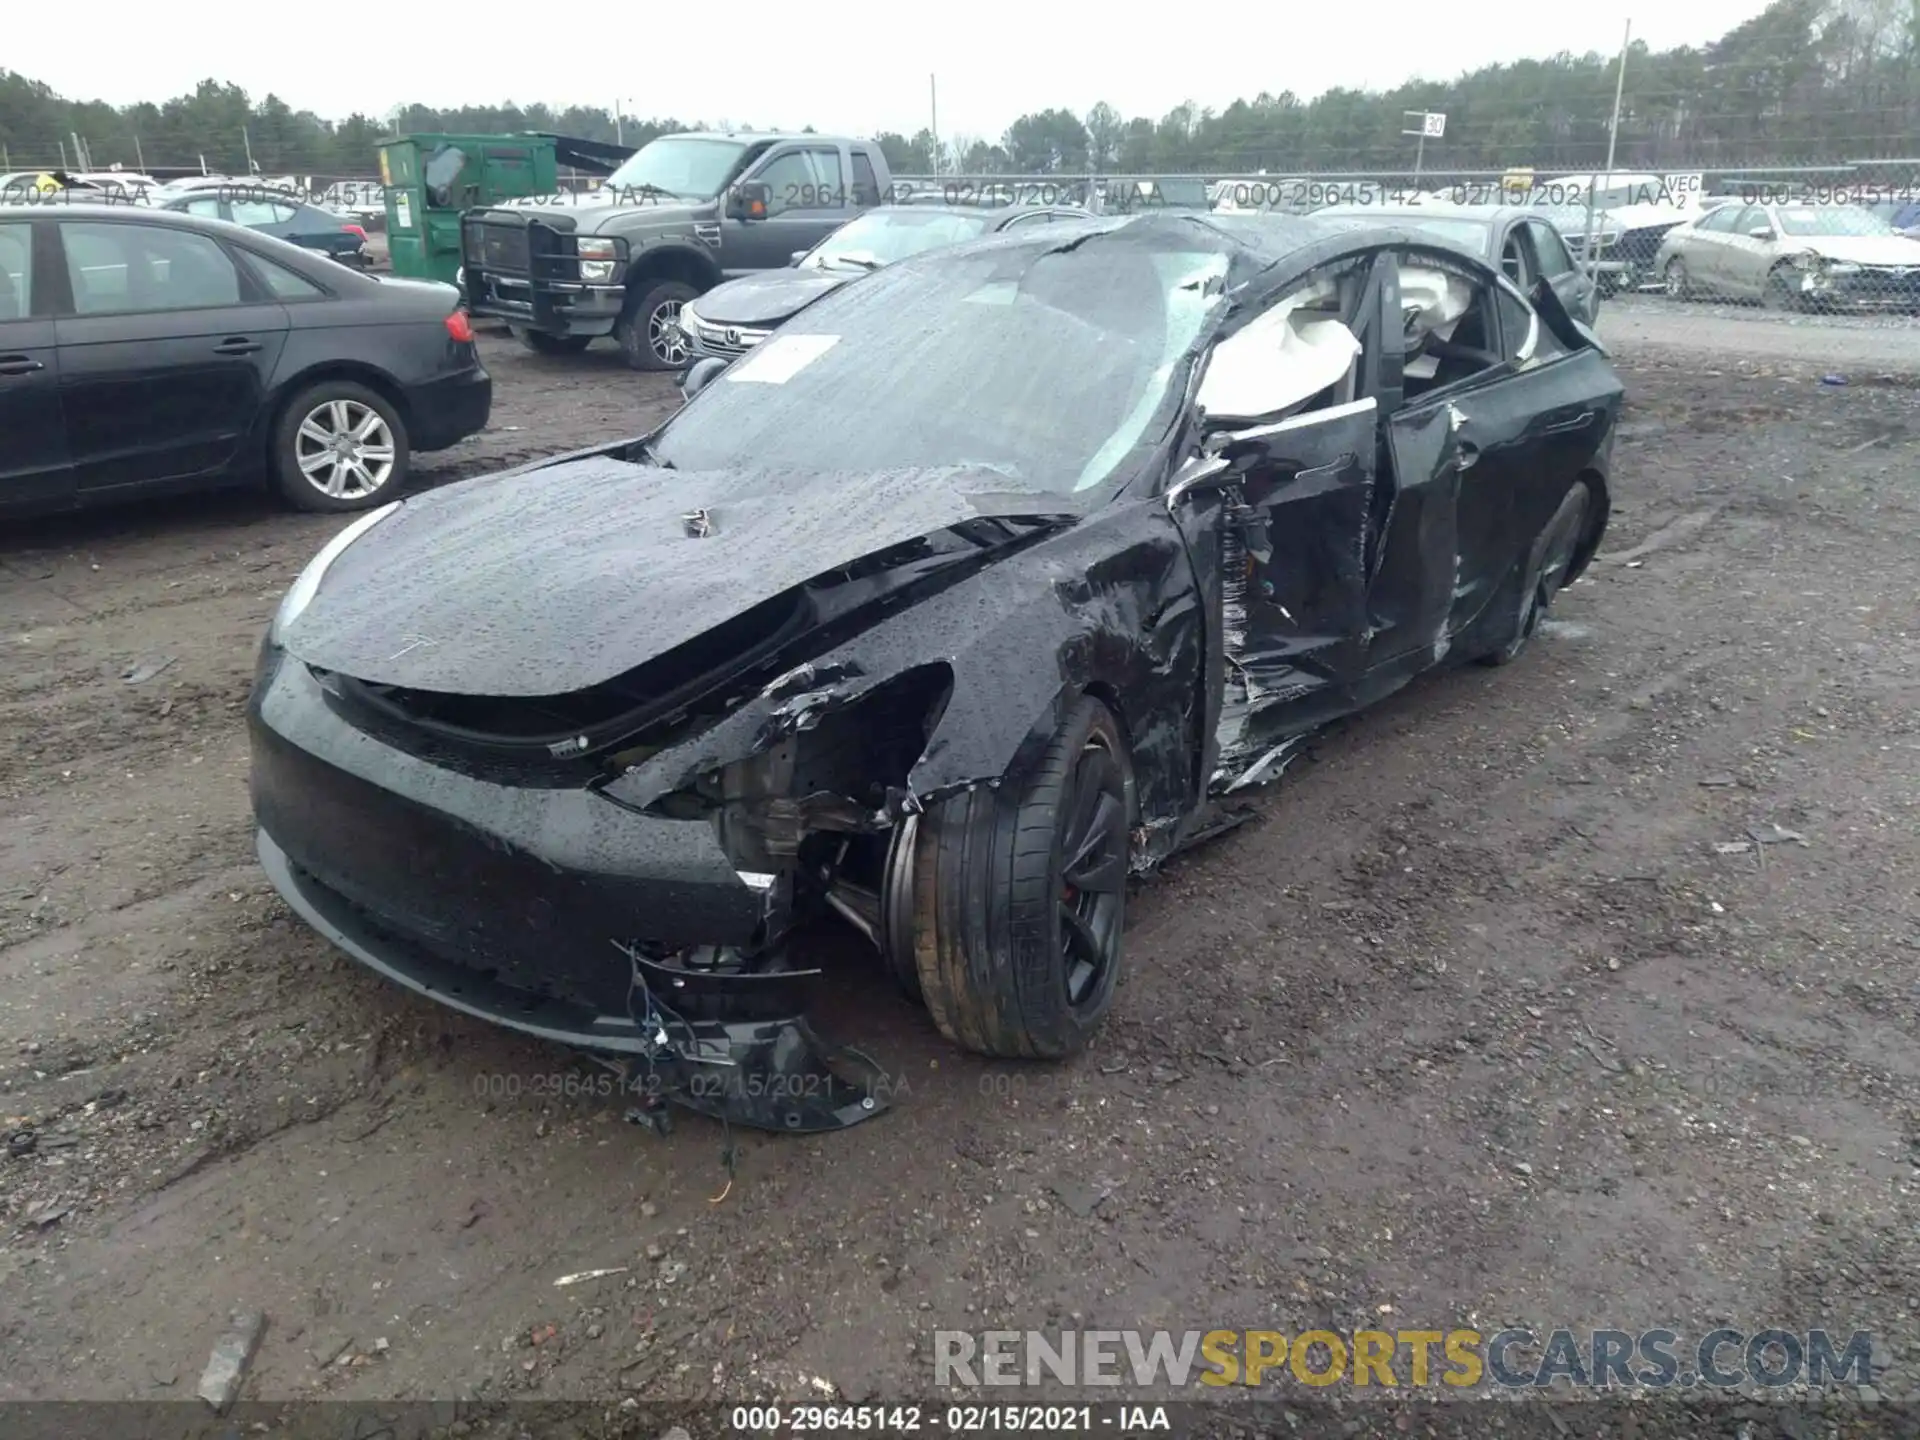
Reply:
x=1774, y=835
x=1732, y=847
x=577, y=1277
x=227, y=1366
x=144, y=671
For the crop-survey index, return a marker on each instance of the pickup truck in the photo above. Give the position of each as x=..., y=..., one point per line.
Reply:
x=684, y=213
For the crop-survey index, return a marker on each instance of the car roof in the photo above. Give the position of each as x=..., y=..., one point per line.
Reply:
x=1441, y=209
x=89, y=210
x=750, y=136
x=280, y=251
x=1002, y=213
x=1257, y=243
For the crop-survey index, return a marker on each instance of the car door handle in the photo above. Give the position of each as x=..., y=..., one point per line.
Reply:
x=236, y=345
x=1578, y=422
x=19, y=365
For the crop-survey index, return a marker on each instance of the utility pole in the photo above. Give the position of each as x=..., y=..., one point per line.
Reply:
x=933, y=104
x=138, y=158
x=1613, y=137
x=247, y=142
x=619, y=133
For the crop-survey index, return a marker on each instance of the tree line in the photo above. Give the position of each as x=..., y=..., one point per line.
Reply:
x=1804, y=82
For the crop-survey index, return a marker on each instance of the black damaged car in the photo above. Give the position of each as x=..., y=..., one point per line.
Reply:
x=962, y=597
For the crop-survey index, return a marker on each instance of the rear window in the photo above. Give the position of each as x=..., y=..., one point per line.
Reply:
x=284, y=283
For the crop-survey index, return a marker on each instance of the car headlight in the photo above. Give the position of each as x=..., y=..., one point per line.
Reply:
x=689, y=322
x=597, y=256
x=301, y=593
x=1840, y=267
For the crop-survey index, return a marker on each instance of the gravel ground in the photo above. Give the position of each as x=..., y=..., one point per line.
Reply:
x=1479, y=1020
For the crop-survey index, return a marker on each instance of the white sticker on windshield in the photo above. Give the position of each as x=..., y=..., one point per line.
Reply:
x=776, y=361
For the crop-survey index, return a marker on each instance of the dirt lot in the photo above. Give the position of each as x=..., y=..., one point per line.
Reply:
x=1474, y=1022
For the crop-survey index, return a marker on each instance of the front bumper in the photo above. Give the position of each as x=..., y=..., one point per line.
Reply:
x=445, y=411
x=527, y=906
x=1866, y=289
x=549, y=306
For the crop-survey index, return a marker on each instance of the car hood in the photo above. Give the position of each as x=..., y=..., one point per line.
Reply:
x=1865, y=249
x=555, y=579
x=589, y=212
x=769, y=297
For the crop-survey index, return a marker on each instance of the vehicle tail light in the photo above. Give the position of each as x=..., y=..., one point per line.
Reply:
x=459, y=327
x=356, y=230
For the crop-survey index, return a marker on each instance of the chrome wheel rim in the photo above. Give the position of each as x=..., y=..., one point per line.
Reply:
x=1676, y=280
x=344, y=449
x=664, y=335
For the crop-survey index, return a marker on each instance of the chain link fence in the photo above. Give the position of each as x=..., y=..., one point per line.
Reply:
x=1821, y=262
x=1790, y=261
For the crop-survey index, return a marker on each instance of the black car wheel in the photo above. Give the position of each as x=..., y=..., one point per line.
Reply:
x=1679, y=287
x=649, y=330
x=1540, y=574
x=542, y=343
x=1020, y=899
x=1782, y=294
x=339, y=446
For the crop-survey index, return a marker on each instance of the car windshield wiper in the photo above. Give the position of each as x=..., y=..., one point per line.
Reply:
x=654, y=458
x=859, y=262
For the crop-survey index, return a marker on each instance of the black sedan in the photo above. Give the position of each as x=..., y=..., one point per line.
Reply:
x=731, y=319
x=285, y=217
x=143, y=351
x=953, y=603
x=1521, y=239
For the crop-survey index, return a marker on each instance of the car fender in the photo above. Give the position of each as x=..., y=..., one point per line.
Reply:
x=652, y=257
x=1107, y=607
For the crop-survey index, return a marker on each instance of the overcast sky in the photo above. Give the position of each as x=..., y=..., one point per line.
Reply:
x=853, y=68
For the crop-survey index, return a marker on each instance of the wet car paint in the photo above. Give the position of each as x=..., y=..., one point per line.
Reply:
x=1033, y=602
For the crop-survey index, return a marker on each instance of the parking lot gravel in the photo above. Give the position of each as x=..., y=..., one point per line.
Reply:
x=1584, y=992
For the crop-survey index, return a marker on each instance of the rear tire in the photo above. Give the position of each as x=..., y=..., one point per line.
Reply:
x=647, y=330
x=1679, y=287
x=542, y=343
x=1020, y=899
x=1541, y=572
x=313, y=469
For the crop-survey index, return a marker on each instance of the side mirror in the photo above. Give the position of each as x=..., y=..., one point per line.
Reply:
x=1761, y=232
x=700, y=374
x=797, y=257
x=749, y=201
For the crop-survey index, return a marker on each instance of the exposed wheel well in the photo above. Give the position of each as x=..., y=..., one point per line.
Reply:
x=672, y=264
x=1597, y=513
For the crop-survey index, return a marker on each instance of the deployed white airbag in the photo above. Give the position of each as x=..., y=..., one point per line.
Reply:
x=1432, y=302
x=1280, y=360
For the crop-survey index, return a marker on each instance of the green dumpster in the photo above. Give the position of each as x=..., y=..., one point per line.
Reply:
x=431, y=179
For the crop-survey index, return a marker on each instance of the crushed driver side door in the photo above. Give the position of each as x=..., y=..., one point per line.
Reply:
x=1294, y=576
